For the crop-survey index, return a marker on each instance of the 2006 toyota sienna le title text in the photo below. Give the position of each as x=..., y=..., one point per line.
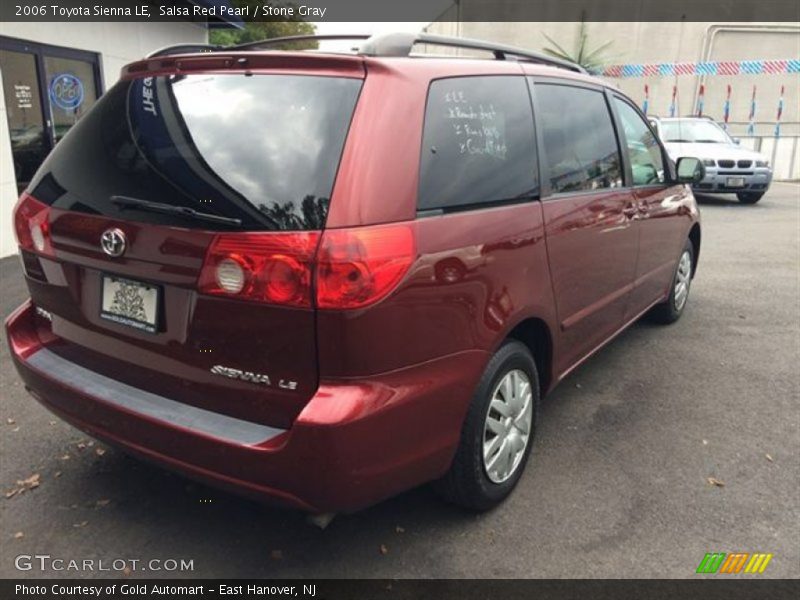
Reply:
x=322, y=279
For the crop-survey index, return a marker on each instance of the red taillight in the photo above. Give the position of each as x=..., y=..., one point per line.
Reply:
x=357, y=267
x=32, y=225
x=268, y=267
x=354, y=267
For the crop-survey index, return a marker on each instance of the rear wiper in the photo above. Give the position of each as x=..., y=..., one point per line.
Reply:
x=708, y=142
x=170, y=209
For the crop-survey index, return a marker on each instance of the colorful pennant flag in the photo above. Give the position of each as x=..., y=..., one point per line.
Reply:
x=751, y=125
x=701, y=100
x=726, y=109
x=780, y=114
x=672, y=102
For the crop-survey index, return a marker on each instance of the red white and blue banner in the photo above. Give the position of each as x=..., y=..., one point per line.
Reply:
x=779, y=115
x=726, y=67
x=726, y=109
x=751, y=119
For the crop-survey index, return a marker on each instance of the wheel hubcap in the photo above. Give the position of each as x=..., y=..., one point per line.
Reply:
x=508, y=426
x=683, y=279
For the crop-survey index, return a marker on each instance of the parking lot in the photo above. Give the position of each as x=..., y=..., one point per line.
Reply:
x=670, y=443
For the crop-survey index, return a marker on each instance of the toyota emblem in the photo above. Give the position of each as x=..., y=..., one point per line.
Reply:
x=113, y=242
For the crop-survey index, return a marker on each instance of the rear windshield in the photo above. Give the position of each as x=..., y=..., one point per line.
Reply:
x=262, y=150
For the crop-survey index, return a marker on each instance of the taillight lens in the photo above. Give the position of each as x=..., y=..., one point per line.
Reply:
x=354, y=267
x=32, y=225
x=270, y=267
x=357, y=267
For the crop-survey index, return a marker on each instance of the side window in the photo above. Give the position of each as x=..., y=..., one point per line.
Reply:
x=477, y=144
x=647, y=162
x=579, y=139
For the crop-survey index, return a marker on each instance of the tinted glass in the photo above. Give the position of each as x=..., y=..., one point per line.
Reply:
x=263, y=149
x=647, y=163
x=70, y=90
x=478, y=144
x=29, y=143
x=701, y=131
x=579, y=139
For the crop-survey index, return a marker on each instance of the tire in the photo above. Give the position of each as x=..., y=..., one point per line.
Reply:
x=749, y=197
x=672, y=308
x=470, y=483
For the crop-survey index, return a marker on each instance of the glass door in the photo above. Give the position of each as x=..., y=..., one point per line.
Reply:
x=47, y=90
x=71, y=91
x=30, y=138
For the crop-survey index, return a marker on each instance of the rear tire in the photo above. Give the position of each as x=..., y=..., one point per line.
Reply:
x=498, y=432
x=672, y=308
x=749, y=197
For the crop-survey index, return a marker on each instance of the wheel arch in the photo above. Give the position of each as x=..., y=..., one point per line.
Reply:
x=694, y=237
x=535, y=334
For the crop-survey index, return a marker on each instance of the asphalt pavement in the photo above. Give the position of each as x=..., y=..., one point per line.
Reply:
x=670, y=443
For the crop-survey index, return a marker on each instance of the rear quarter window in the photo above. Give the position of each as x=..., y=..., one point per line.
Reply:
x=478, y=145
x=263, y=149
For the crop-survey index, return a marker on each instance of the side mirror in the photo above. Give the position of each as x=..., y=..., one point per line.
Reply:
x=737, y=141
x=690, y=170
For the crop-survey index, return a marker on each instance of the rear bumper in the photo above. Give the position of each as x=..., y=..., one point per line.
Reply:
x=354, y=444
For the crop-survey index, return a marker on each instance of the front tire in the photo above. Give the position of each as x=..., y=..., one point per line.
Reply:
x=749, y=197
x=498, y=430
x=671, y=310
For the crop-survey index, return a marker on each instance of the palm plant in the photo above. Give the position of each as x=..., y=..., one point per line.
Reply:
x=589, y=59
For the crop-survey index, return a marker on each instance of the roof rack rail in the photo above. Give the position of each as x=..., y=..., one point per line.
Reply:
x=279, y=41
x=256, y=45
x=180, y=48
x=401, y=44
x=386, y=45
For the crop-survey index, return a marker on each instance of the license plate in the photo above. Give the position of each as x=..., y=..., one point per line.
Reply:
x=131, y=303
x=735, y=182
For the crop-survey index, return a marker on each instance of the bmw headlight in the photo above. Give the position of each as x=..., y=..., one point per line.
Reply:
x=709, y=162
x=762, y=163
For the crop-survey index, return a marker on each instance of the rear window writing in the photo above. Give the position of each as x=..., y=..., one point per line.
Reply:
x=262, y=149
x=478, y=144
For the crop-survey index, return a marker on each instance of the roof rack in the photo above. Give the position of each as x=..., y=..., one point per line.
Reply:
x=386, y=45
x=294, y=38
x=180, y=48
x=401, y=44
x=256, y=45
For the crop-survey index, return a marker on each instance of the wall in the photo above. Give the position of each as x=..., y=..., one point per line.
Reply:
x=117, y=44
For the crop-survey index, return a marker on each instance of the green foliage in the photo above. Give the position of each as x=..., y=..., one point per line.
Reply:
x=589, y=59
x=253, y=32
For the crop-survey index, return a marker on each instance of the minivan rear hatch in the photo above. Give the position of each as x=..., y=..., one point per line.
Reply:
x=181, y=217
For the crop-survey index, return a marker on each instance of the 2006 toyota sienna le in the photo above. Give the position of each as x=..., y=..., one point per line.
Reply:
x=322, y=279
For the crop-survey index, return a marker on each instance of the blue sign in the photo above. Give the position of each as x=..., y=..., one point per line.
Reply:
x=66, y=91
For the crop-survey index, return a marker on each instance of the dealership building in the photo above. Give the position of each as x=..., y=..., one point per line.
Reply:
x=52, y=73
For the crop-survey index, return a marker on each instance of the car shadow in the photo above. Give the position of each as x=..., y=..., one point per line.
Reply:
x=133, y=507
x=160, y=513
x=717, y=200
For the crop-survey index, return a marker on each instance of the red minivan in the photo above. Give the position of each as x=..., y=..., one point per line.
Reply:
x=322, y=279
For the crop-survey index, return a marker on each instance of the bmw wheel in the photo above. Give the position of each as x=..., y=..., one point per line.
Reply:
x=749, y=197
